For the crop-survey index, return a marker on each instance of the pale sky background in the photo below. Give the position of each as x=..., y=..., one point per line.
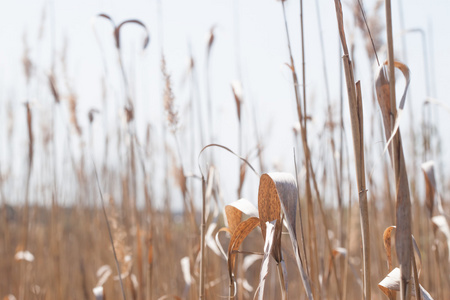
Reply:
x=180, y=27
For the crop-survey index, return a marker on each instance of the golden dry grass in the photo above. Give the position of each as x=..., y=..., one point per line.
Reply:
x=386, y=238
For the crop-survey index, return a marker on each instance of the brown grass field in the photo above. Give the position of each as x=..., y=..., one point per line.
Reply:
x=334, y=229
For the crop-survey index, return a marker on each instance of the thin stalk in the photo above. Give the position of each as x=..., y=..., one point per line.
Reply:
x=208, y=87
x=188, y=201
x=282, y=281
x=150, y=226
x=346, y=260
x=325, y=223
x=30, y=170
x=109, y=232
x=202, y=249
x=341, y=117
x=415, y=275
x=302, y=234
x=303, y=63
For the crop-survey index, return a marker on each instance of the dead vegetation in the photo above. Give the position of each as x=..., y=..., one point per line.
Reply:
x=103, y=235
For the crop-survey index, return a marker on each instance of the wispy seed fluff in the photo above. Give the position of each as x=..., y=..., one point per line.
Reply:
x=169, y=99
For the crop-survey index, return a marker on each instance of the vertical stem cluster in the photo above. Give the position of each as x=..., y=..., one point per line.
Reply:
x=311, y=224
x=310, y=174
x=355, y=106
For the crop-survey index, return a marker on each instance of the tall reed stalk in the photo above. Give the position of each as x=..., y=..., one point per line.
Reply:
x=403, y=243
x=356, y=115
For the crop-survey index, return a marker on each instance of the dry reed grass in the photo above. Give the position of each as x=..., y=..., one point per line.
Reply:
x=224, y=249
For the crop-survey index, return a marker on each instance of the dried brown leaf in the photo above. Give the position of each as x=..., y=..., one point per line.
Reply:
x=392, y=283
x=279, y=190
x=442, y=223
x=383, y=94
x=270, y=210
x=387, y=245
x=241, y=232
x=234, y=216
x=108, y=18
x=246, y=207
x=430, y=185
x=387, y=235
x=219, y=245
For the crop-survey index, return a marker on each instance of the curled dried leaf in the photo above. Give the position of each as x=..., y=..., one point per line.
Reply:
x=278, y=192
x=431, y=190
x=246, y=207
x=219, y=245
x=441, y=223
x=108, y=18
x=103, y=274
x=383, y=95
x=119, y=27
x=241, y=232
x=186, y=269
x=387, y=245
x=387, y=236
x=210, y=242
x=403, y=201
x=234, y=216
x=392, y=283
